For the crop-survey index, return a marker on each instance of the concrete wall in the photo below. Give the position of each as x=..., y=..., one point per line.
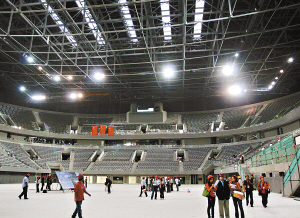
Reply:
x=291, y=127
x=270, y=133
x=200, y=141
x=13, y=177
x=3, y=134
x=95, y=142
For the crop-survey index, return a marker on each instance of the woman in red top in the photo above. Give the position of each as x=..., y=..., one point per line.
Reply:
x=212, y=196
x=235, y=186
x=263, y=187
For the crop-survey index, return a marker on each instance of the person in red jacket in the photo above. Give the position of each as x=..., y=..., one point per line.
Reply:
x=212, y=196
x=79, y=191
x=263, y=190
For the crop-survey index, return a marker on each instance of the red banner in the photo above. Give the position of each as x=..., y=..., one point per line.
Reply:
x=102, y=130
x=95, y=130
x=111, y=130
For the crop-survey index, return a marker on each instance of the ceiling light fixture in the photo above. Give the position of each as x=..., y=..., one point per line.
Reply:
x=235, y=90
x=22, y=89
x=99, y=76
x=291, y=60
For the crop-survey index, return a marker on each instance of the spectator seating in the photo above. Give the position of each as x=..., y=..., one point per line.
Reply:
x=196, y=158
x=19, y=154
x=57, y=123
x=158, y=159
x=81, y=158
x=20, y=116
x=199, y=122
x=47, y=155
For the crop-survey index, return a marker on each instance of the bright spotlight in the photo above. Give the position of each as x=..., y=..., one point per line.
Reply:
x=236, y=54
x=56, y=78
x=281, y=71
x=40, y=68
x=73, y=96
x=168, y=72
x=99, y=76
x=30, y=59
x=80, y=95
x=273, y=83
x=38, y=97
x=22, y=89
x=276, y=77
x=235, y=90
x=70, y=77
x=270, y=87
x=291, y=60
x=228, y=70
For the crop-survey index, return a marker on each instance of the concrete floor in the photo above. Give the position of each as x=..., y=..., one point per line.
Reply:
x=124, y=202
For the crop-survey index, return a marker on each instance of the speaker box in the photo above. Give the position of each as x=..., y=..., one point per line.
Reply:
x=44, y=191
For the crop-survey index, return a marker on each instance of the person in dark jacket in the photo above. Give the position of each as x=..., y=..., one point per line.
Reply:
x=223, y=193
x=108, y=183
x=49, y=182
x=43, y=182
x=248, y=187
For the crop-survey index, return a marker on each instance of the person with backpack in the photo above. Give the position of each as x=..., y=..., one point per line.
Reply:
x=248, y=188
x=211, y=197
x=264, y=189
x=223, y=193
x=237, y=202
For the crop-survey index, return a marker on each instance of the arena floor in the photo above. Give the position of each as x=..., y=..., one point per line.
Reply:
x=124, y=202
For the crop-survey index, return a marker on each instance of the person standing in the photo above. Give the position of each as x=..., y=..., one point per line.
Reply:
x=212, y=196
x=79, y=191
x=25, y=187
x=177, y=183
x=223, y=193
x=162, y=189
x=143, y=187
x=108, y=184
x=147, y=183
x=49, y=182
x=168, y=185
x=43, y=182
x=263, y=188
x=85, y=182
x=151, y=183
x=155, y=184
x=38, y=179
x=248, y=188
x=171, y=181
x=235, y=186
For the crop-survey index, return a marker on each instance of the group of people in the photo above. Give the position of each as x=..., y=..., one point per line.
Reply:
x=160, y=184
x=233, y=187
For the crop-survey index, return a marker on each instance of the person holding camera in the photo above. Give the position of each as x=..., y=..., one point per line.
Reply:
x=264, y=189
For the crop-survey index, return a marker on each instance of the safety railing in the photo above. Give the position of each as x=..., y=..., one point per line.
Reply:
x=274, y=156
x=292, y=168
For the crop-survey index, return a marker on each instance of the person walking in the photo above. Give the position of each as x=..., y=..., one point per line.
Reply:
x=155, y=184
x=248, y=188
x=147, y=183
x=49, y=182
x=25, y=187
x=223, y=194
x=162, y=189
x=38, y=180
x=177, y=183
x=79, y=191
x=264, y=189
x=108, y=184
x=143, y=187
x=151, y=183
x=235, y=186
x=85, y=182
x=212, y=196
x=43, y=182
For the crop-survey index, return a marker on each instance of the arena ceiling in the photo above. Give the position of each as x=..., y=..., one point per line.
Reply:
x=134, y=42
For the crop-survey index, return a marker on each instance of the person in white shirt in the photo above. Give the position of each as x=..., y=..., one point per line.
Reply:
x=25, y=187
x=171, y=181
x=155, y=183
x=240, y=181
x=177, y=183
x=38, y=180
x=143, y=187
